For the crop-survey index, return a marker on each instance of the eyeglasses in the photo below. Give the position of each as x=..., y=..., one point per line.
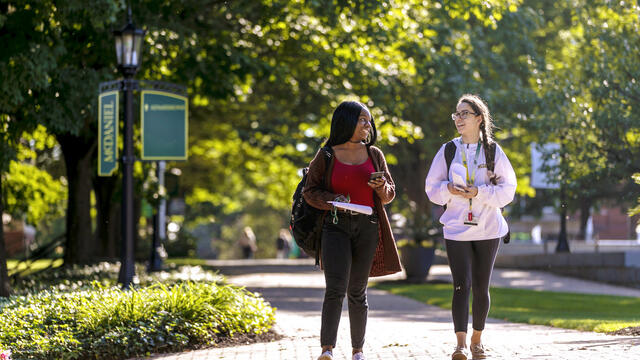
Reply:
x=363, y=121
x=462, y=115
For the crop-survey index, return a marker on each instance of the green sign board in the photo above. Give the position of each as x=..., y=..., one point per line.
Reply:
x=107, y=133
x=164, y=118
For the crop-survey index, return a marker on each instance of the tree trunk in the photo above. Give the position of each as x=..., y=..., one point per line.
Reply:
x=78, y=155
x=585, y=212
x=633, y=223
x=410, y=180
x=5, y=286
x=108, y=217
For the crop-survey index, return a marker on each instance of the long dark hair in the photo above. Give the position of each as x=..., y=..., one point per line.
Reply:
x=344, y=122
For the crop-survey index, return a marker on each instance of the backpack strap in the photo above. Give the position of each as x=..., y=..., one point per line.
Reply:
x=327, y=151
x=449, y=154
x=490, y=156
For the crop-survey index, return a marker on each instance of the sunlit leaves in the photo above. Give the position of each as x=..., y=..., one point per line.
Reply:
x=591, y=91
x=32, y=193
x=488, y=12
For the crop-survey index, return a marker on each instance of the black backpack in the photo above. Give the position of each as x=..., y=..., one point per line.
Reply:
x=490, y=156
x=306, y=221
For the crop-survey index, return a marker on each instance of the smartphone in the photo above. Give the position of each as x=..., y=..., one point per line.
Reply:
x=459, y=188
x=376, y=175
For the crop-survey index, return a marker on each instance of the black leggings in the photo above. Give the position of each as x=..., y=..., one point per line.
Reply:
x=471, y=263
x=348, y=248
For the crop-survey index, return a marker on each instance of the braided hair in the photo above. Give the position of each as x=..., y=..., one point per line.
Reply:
x=486, y=126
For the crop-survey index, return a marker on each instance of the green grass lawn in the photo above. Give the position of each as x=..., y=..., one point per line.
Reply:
x=601, y=313
x=12, y=265
x=186, y=261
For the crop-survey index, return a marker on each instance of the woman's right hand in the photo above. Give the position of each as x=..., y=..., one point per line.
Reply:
x=455, y=191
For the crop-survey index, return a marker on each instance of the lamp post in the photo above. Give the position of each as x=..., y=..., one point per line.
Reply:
x=563, y=244
x=128, y=46
x=159, y=224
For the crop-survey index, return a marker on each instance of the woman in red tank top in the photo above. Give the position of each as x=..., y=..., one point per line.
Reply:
x=350, y=240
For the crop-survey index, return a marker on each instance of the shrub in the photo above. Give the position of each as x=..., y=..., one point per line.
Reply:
x=106, y=274
x=101, y=321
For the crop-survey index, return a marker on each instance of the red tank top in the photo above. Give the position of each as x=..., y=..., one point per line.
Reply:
x=352, y=180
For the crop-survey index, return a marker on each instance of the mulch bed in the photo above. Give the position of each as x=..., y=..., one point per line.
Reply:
x=629, y=331
x=245, y=339
x=242, y=339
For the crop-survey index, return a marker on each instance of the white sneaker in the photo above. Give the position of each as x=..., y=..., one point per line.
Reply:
x=327, y=355
x=460, y=353
x=358, y=356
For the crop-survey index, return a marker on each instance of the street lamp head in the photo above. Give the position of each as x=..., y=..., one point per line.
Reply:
x=128, y=48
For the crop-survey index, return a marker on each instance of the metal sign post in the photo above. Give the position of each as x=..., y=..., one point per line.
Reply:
x=164, y=114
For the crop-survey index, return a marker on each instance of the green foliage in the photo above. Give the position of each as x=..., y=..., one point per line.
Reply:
x=601, y=313
x=263, y=78
x=266, y=225
x=589, y=98
x=188, y=309
x=73, y=278
x=407, y=60
x=35, y=266
x=184, y=245
x=33, y=193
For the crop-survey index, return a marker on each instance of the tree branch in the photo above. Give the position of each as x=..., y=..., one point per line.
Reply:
x=625, y=93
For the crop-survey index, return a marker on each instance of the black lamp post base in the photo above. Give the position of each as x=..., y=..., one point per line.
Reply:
x=156, y=262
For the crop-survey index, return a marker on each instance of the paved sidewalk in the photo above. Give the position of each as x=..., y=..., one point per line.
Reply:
x=398, y=328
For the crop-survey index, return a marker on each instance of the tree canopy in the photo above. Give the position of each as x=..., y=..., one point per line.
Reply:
x=263, y=78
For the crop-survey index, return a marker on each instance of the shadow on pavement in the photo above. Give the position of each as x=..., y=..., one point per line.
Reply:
x=635, y=341
x=381, y=304
x=292, y=299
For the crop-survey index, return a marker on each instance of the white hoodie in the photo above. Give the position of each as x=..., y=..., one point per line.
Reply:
x=486, y=205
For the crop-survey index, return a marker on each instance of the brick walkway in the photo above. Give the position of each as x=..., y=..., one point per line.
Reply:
x=398, y=328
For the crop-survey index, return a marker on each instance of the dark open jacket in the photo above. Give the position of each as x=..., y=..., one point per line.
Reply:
x=317, y=193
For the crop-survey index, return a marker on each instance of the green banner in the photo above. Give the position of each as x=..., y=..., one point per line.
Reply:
x=164, y=118
x=108, y=133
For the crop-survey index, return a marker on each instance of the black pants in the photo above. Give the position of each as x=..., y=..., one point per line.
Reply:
x=348, y=248
x=247, y=252
x=471, y=264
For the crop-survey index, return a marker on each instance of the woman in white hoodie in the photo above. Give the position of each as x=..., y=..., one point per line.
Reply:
x=472, y=223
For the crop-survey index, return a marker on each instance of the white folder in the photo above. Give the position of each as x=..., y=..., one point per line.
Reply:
x=363, y=209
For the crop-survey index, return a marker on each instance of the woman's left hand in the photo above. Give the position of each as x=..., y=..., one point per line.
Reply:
x=377, y=183
x=472, y=191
